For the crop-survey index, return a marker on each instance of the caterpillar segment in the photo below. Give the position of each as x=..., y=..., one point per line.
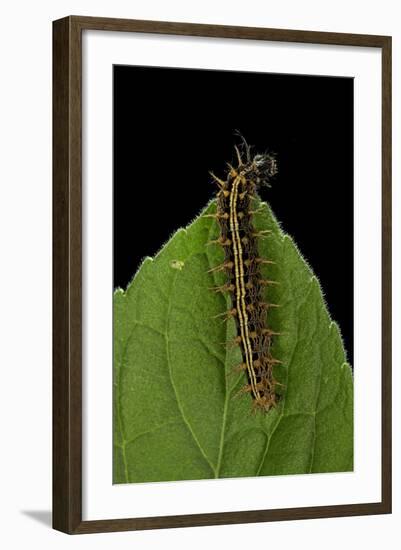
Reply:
x=242, y=265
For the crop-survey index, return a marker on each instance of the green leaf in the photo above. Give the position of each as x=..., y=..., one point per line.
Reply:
x=176, y=415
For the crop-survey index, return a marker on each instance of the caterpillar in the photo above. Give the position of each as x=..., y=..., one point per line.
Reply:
x=242, y=265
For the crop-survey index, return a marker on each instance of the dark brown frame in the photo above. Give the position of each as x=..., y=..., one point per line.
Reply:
x=67, y=283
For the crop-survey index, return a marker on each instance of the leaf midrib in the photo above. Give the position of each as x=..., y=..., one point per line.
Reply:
x=226, y=395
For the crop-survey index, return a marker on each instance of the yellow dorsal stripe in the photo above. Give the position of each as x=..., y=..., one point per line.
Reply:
x=240, y=285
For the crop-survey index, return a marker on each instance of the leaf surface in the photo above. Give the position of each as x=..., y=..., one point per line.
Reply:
x=176, y=414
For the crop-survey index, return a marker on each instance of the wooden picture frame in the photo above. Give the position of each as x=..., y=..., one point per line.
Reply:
x=67, y=273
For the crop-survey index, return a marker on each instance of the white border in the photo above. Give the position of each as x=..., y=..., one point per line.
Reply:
x=101, y=499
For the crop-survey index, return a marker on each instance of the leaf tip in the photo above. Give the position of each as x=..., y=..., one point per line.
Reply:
x=118, y=291
x=334, y=326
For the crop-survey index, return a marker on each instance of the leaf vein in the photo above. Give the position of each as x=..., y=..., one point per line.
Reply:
x=180, y=408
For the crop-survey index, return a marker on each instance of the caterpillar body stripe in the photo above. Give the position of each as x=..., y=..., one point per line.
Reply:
x=242, y=264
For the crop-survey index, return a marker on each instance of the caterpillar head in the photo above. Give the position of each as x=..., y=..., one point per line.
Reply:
x=260, y=168
x=263, y=168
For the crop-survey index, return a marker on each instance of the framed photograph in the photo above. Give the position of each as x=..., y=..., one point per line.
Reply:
x=222, y=273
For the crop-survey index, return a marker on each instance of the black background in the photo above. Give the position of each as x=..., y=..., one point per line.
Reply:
x=171, y=126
